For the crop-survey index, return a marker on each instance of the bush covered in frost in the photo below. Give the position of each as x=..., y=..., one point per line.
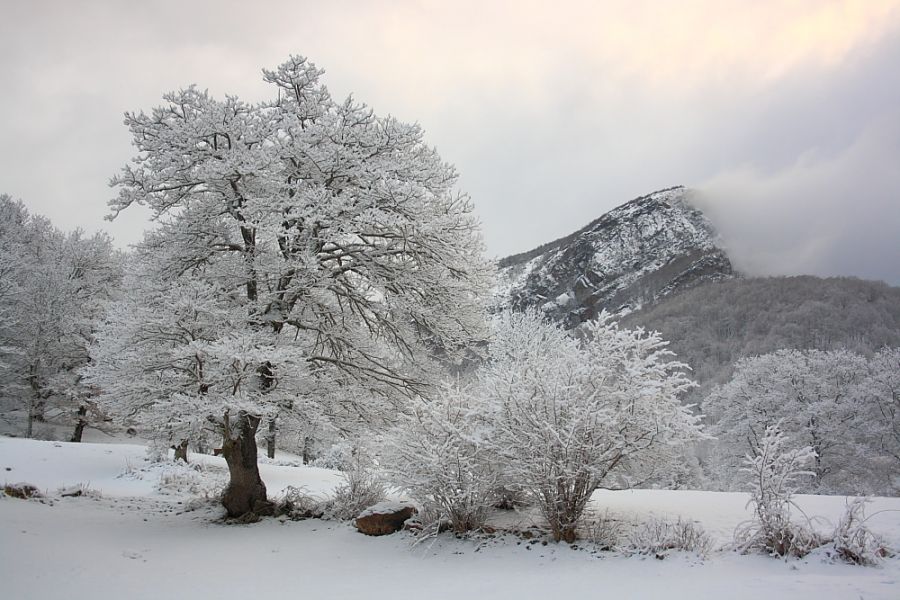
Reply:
x=775, y=472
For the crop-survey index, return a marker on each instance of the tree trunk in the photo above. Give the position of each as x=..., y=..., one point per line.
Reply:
x=36, y=411
x=306, y=449
x=33, y=409
x=270, y=438
x=80, y=424
x=29, y=428
x=567, y=533
x=246, y=492
x=181, y=451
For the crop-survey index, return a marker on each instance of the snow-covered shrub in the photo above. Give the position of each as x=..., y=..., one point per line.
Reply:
x=360, y=489
x=158, y=450
x=22, y=490
x=567, y=415
x=775, y=472
x=853, y=541
x=297, y=503
x=179, y=478
x=659, y=537
x=605, y=531
x=338, y=456
x=428, y=522
x=436, y=455
x=508, y=496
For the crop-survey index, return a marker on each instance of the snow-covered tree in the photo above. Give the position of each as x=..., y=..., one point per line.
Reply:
x=334, y=233
x=14, y=219
x=820, y=400
x=571, y=415
x=775, y=471
x=882, y=414
x=53, y=289
x=153, y=360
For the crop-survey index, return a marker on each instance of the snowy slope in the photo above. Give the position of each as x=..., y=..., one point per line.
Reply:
x=137, y=540
x=644, y=250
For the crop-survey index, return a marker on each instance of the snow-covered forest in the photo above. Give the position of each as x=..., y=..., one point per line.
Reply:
x=307, y=342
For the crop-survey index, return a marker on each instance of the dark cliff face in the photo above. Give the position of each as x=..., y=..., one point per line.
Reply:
x=632, y=256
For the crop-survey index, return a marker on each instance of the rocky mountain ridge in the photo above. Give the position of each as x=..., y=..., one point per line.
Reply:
x=633, y=256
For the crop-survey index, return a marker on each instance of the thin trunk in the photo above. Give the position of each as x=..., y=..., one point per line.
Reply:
x=80, y=424
x=249, y=236
x=246, y=492
x=267, y=382
x=181, y=451
x=270, y=438
x=35, y=403
x=307, y=443
x=29, y=428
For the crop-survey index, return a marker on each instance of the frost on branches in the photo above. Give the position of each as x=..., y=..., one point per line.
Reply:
x=775, y=473
x=327, y=245
x=550, y=415
x=571, y=415
x=841, y=404
x=161, y=352
x=439, y=455
x=53, y=289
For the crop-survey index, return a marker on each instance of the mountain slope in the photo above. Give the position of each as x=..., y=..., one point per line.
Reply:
x=636, y=254
x=711, y=326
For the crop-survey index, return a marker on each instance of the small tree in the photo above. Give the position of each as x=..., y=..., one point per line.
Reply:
x=775, y=473
x=569, y=415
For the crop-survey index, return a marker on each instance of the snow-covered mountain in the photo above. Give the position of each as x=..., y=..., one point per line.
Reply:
x=634, y=255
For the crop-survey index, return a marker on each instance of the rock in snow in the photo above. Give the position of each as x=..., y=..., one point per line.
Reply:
x=384, y=518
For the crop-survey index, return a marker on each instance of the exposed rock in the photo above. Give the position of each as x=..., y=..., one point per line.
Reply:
x=384, y=518
x=632, y=256
x=72, y=492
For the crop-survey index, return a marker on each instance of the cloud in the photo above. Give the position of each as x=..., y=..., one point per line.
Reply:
x=822, y=215
x=552, y=112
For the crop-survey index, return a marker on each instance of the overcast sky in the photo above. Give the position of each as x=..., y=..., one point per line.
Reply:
x=785, y=115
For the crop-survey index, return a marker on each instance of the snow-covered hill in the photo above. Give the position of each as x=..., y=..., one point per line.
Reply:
x=138, y=534
x=644, y=250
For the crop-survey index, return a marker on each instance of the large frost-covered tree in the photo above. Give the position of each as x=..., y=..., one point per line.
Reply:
x=335, y=234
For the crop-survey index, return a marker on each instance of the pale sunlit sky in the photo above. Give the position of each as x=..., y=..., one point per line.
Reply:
x=784, y=115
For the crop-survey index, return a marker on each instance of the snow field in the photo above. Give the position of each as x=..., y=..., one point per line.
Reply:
x=140, y=537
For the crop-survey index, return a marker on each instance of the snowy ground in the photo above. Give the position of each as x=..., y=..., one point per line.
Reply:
x=136, y=534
